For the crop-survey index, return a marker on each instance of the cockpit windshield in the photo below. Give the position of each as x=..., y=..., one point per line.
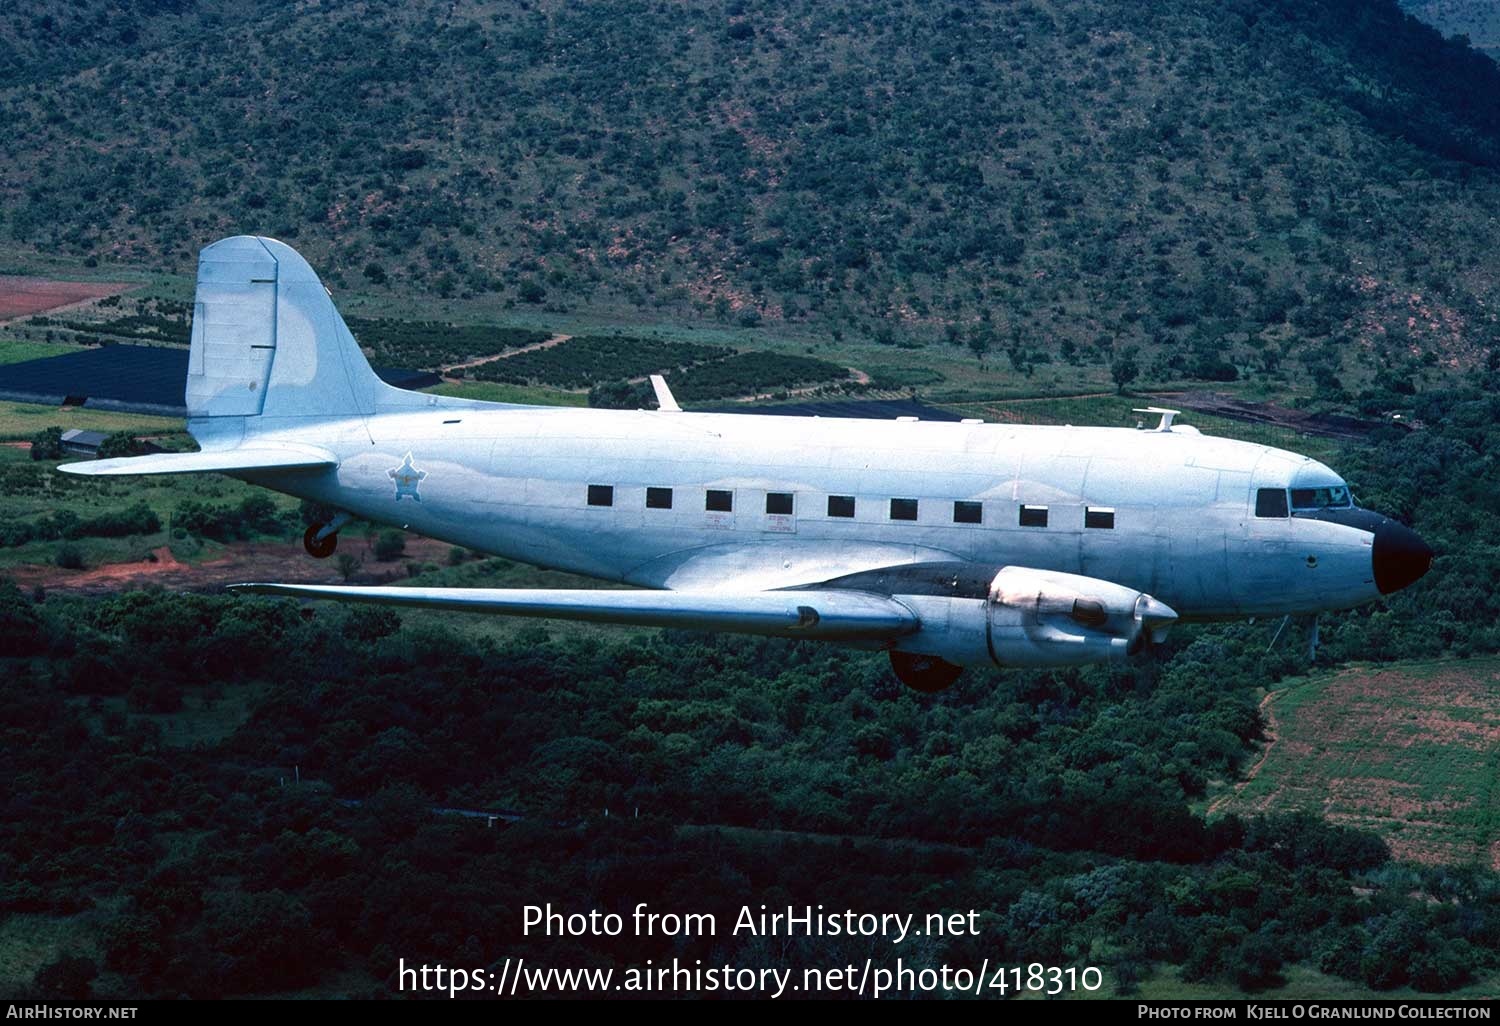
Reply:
x=1336, y=497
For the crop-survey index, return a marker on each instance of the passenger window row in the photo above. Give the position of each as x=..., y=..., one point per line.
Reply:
x=841, y=507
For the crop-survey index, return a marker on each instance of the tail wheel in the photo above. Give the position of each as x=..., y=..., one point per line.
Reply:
x=319, y=548
x=924, y=673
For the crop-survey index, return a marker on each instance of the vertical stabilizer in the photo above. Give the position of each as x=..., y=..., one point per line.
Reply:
x=267, y=340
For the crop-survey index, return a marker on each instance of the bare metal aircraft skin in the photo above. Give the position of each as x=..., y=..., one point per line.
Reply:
x=948, y=545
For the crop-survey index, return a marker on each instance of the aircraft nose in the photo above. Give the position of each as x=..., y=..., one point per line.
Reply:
x=1399, y=555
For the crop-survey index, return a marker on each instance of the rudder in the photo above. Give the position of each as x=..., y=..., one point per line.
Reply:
x=268, y=341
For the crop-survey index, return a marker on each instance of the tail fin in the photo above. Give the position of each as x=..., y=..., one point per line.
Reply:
x=268, y=342
x=268, y=349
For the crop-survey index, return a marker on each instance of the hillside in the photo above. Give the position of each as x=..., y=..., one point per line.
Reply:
x=1238, y=193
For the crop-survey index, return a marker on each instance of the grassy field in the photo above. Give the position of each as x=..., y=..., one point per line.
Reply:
x=495, y=392
x=1410, y=751
x=19, y=422
x=18, y=351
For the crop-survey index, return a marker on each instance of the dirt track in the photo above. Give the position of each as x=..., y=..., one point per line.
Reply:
x=1268, y=713
x=1326, y=425
x=447, y=371
x=243, y=561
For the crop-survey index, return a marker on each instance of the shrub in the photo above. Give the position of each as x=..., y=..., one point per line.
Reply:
x=47, y=444
x=68, y=556
x=389, y=545
x=118, y=444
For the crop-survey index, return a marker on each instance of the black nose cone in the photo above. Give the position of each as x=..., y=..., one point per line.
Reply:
x=1400, y=557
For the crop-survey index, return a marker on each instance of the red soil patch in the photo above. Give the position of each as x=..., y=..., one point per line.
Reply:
x=23, y=297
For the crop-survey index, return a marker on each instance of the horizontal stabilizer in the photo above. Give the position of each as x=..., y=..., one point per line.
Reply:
x=664, y=399
x=225, y=461
x=827, y=615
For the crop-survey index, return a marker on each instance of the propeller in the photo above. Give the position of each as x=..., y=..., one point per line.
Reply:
x=1152, y=619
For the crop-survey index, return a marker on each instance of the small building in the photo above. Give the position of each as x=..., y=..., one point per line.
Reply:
x=77, y=442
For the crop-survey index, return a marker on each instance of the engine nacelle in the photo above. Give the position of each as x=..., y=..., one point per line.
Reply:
x=1030, y=618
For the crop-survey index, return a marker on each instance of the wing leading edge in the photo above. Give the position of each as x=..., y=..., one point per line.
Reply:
x=825, y=615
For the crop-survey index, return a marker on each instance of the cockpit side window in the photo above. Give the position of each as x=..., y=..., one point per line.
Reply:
x=1336, y=497
x=1270, y=502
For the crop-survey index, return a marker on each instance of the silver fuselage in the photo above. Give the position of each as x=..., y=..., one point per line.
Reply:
x=514, y=482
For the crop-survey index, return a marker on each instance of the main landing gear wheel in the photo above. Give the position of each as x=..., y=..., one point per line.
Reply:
x=319, y=548
x=924, y=673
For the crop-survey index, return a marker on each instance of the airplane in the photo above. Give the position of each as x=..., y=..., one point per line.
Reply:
x=947, y=545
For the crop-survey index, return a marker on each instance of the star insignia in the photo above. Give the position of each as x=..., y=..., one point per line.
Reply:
x=407, y=478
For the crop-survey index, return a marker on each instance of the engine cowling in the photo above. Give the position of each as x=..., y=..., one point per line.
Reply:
x=1029, y=618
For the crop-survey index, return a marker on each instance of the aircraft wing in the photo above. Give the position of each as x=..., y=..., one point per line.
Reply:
x=224, y=461
x=829, y=615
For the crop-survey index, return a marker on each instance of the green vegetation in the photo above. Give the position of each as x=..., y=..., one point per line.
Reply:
x=1405, y=751
x=909, y=377
x=210, y=795
x=16, y=352
x=426, y=345
x=22, y=421
x=751, y=374
x=1116, y=411
x=153, y=320
x=136, y=520
x=494, y=392
x=254, y=515
x=390, y=342
x=122, y=519
x=390, y=545
x=590, y=359
x=1065, y=805
x=696, y=372
x=811, y=763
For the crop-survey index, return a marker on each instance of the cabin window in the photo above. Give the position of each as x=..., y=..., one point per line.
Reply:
x=719, y=500
x=601, y=495
x=779, y=503
x=1098, y=516
x=968, y=512
x=1033, y=516
x=1270, y=502
x=1321, y=498
x=658, y=498
x=903, y=509
x=841, y=505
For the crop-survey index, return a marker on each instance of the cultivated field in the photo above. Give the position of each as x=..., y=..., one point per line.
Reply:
x=23, y=297
x=20, y=422
x=1410, y=751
